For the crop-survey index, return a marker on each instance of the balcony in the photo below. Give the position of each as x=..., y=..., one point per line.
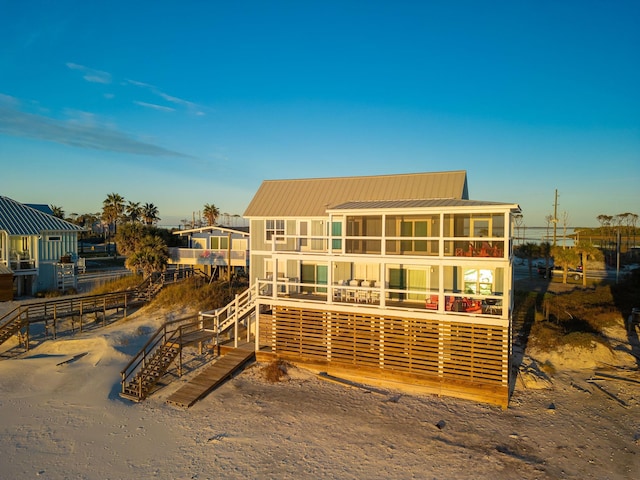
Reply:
x=485, y=248
x=198, y=256
x=374, y=294
x=21, y=262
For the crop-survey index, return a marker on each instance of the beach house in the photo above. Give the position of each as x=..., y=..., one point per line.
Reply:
x=37, y=248
x=214, y=250
x=394, y=278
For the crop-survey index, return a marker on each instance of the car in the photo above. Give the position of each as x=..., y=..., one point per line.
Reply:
x=557, y=270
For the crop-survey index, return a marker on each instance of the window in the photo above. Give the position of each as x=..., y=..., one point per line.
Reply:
x=361, y=227
x=410, y=234
x=474, y=225
x=478, y=282
x=274, y=228
x=54, y=238
x=336, y=231
x=303, y=233
x=219, y=243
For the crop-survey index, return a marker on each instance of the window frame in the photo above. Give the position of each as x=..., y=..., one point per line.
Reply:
x=275, y=229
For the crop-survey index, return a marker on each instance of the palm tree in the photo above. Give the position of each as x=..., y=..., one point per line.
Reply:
x=545, y=251
x=57, y=211
x=565, y=258
x=530, y=250
x=134, y=211
x=112, y=210
x=211, y=212
x=150, y=214
x=586, y=250
x=150, y=256
x=129, y=237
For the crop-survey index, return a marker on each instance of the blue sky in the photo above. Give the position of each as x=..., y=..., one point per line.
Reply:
x=185, y=103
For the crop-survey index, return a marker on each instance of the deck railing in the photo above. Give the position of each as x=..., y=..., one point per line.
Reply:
x=170, y=332
x=377, y=294
x=200, y=256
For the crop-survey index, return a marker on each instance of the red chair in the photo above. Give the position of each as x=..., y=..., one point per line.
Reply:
x=432, y=302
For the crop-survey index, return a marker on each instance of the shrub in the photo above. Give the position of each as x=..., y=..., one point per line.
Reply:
x=275, y=371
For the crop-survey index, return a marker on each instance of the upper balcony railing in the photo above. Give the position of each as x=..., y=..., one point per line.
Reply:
x=199, y=256
x=406, y=246
x=21, y=261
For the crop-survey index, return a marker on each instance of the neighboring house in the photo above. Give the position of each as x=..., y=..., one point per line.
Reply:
x=397, y=278
x=213, y=249
x=37, y=247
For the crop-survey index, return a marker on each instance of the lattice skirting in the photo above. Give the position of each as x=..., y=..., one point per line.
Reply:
x=459, y=359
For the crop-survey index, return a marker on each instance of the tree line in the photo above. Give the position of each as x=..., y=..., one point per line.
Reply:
x=133, y=227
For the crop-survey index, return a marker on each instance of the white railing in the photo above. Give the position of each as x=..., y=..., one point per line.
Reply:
x=202, y=256
x=487, y=248
x=370, y=293
x=233, y=312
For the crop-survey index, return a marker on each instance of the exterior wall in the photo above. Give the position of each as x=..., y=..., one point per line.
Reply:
x=52, y=246
x=34, y=259
x=4, y=248
x=6, y=284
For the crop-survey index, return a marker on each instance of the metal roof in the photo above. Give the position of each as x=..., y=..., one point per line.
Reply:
x=427, y=203
x=244, y=231
x=19, y=219
x=44, y=208
x=314, y=196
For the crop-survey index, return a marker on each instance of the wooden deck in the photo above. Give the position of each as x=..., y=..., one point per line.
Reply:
x=211, y=377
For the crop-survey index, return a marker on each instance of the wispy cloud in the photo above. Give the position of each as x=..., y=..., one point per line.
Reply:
x=154, y=106
x=90, y=74
x=192, y=107
x=84, y=132
x=99, y=76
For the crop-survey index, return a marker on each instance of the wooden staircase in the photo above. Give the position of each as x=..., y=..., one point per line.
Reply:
x=145, y=370
x=10, y=325
x=141, y=384
x=149, y=365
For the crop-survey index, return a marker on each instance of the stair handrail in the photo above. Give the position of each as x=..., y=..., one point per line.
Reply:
x=229, y=315
x=161, y=336
x=41, y=309
x=10, y=316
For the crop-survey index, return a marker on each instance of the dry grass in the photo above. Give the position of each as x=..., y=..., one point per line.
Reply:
x=128, y=282
x=578, y=318
x=194, y=293
x=56, y=293
x=275, y=371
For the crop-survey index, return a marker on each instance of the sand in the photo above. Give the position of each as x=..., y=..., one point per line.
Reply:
x=67, y=421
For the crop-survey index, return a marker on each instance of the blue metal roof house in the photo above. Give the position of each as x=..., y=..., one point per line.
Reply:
x=37, y=247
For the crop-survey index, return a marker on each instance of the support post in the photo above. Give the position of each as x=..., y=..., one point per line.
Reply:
x=235, y=323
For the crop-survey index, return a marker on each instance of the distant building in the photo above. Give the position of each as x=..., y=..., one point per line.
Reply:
x=213, y=250
x=38, y=248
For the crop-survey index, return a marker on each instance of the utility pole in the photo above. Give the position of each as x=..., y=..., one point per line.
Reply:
x=555, y=218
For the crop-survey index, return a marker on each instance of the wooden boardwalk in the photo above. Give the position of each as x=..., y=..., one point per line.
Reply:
x=211, y=377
